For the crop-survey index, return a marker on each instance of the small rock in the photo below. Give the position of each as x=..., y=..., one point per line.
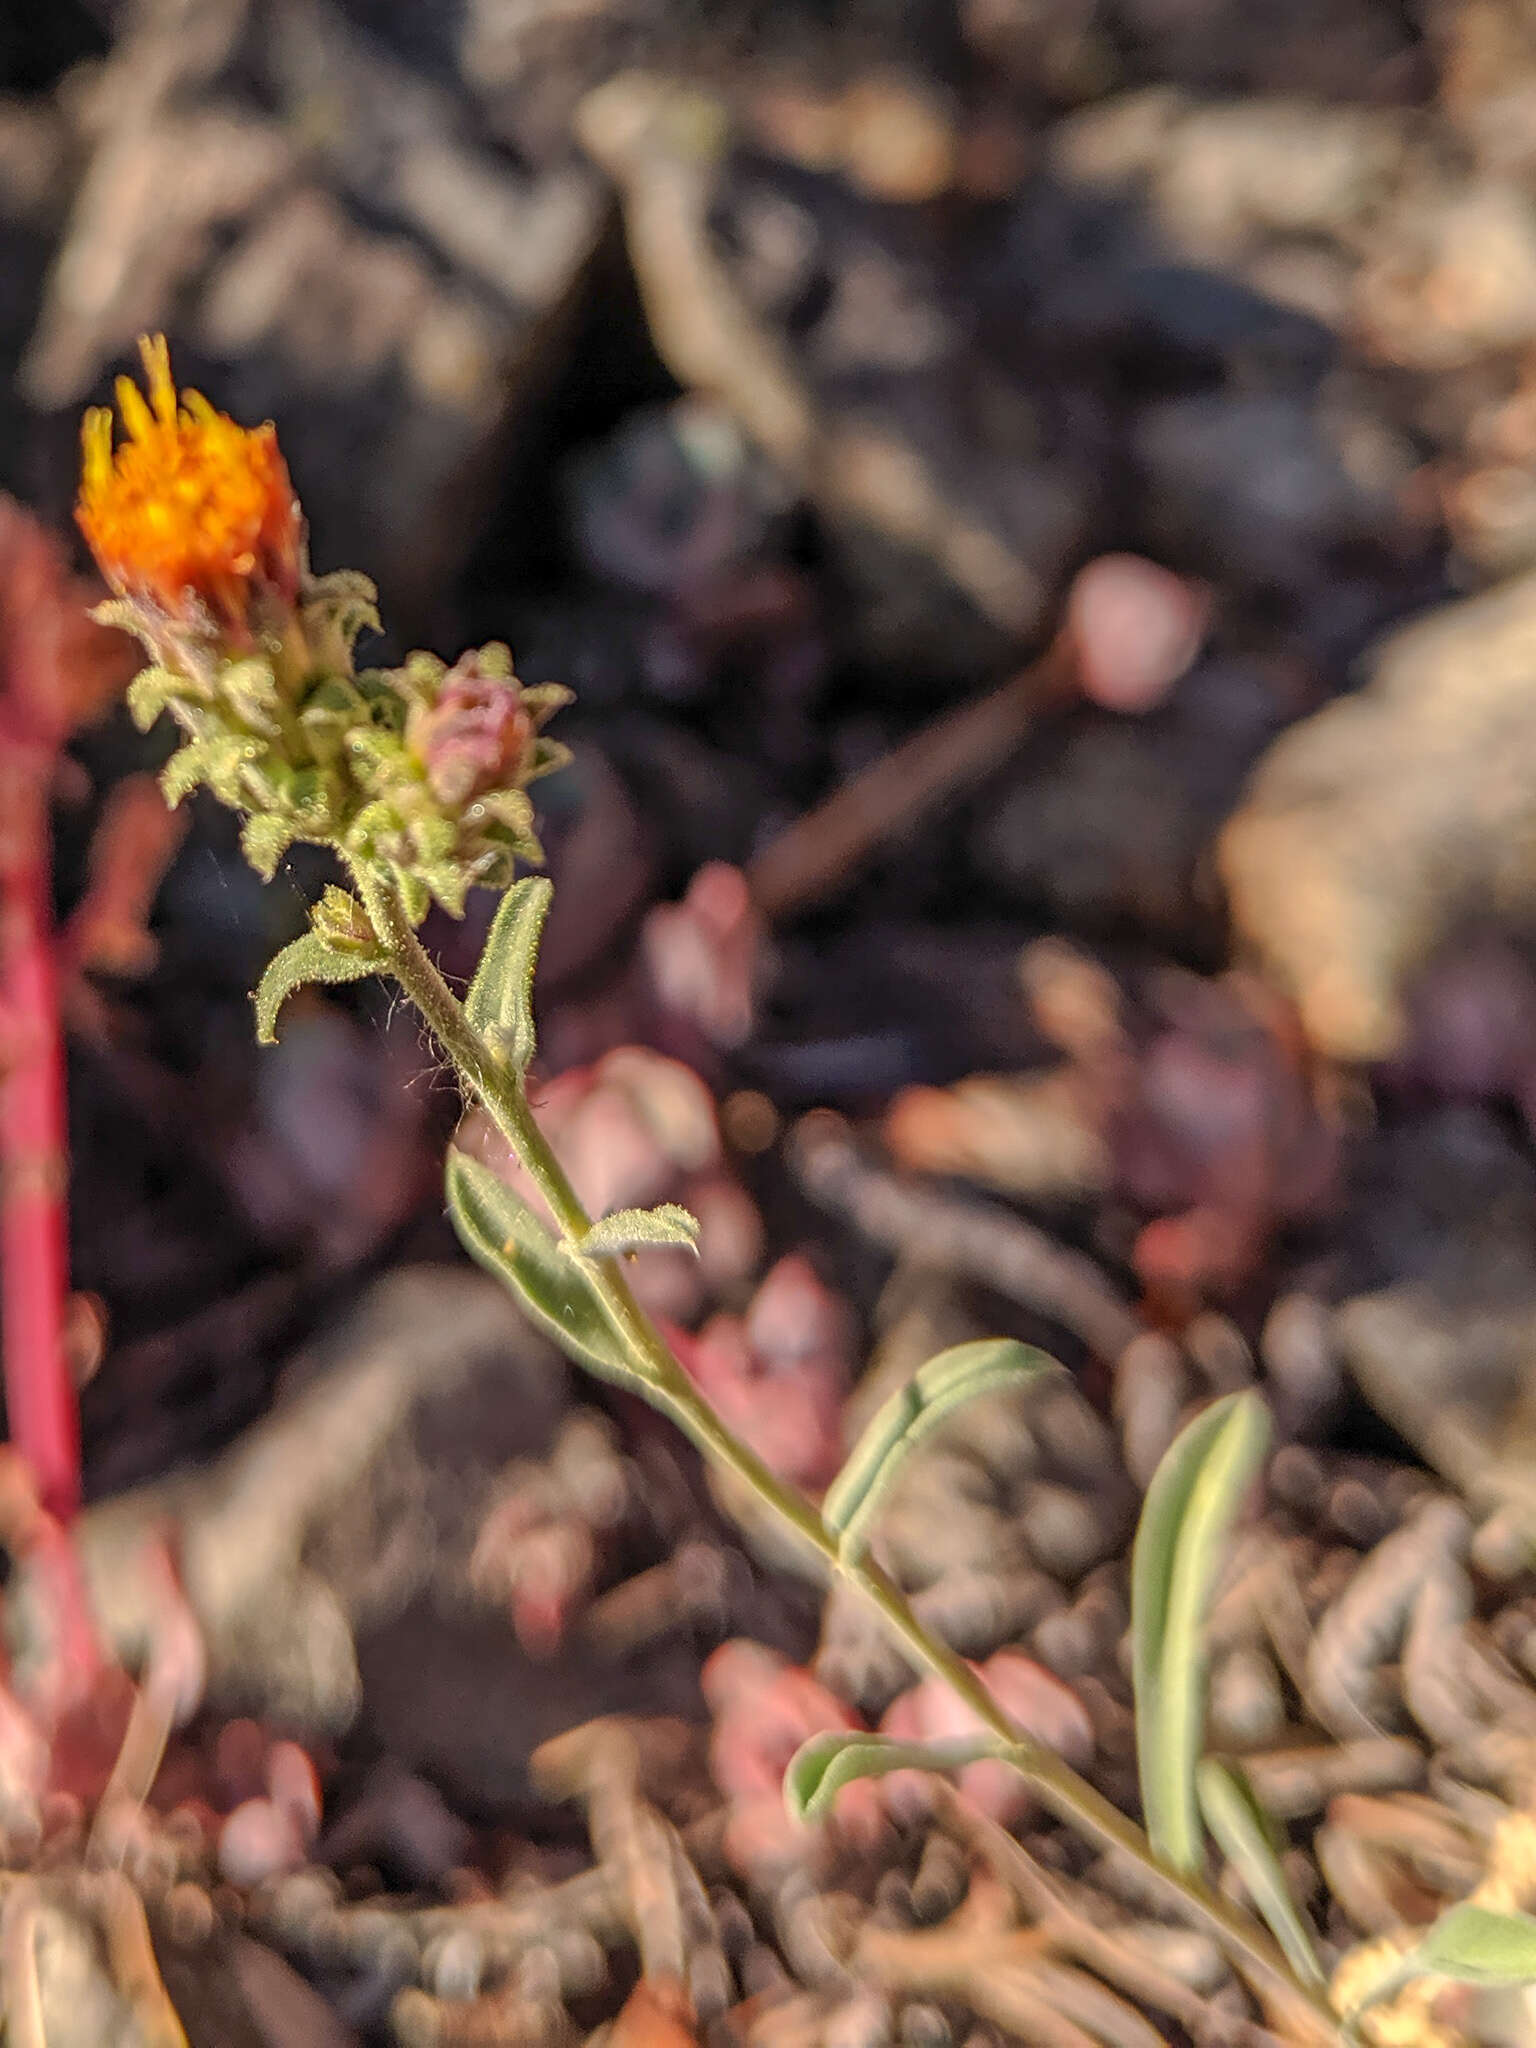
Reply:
x=260, y=1840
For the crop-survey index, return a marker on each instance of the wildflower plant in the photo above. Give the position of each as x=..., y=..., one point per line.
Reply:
x=417, y=778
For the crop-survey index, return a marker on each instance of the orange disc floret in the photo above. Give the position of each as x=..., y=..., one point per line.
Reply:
x=191, y=506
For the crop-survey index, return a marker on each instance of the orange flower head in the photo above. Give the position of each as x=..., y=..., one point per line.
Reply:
x=191, y=508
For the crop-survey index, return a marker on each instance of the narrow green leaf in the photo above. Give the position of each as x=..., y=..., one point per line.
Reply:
x=448, y=883
x=116, y=611
x=512, y=808
x=1477, y=1946
x=962, y=1373
x=348, y=598
x=264, y=840
x=497, y=1228
x=821, y=1767
x=250, y=689
x=187, y=767
x=307, y=959
x=415, y=897
x=543, y=700
x=150, y=692
x=629, y=1230
x=308, y=795
x=500, y=999
x=548, y=755
x=1195, y=1492
x=1244, y=1836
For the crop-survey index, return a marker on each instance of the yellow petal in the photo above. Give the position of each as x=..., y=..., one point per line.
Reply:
x=155, y=351
x=96, y=446
x=137, y=417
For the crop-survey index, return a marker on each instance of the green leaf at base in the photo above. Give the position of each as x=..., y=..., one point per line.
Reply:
x=962, y=1373
x=307, y=959
x=1244, y=1836
x=821, y=1767
x=497, y=1228
x=1195, y=1492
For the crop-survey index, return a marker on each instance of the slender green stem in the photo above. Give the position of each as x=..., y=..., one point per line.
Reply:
x=1071, y=1797
x=501, y=1092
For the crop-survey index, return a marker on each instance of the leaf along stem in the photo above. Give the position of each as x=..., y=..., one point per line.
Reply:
x=500, y=1088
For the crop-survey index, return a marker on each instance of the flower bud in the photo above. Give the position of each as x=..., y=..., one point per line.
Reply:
x=478, y=735
x=343, y=923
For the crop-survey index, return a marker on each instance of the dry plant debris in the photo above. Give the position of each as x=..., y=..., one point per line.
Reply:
x=1377, y=828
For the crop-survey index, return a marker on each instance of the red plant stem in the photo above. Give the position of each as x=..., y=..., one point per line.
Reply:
x=34, y=1234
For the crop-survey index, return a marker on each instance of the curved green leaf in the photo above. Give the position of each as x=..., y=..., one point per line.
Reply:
x=307, y=959
x=1195, y=1492
x=821, y=1767
x=191, y=764
x=1244, y=1836
x=497, y=1228
x=151, y=690
x=499, y=1003
x=962, y=1373
x=264, y=840
x=629, y=1230
x=250, y=688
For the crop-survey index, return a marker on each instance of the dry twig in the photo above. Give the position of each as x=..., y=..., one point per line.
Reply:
x=976, y=1239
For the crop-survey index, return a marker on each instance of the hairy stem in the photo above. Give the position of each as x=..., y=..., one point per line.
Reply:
x=1071, y=1797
